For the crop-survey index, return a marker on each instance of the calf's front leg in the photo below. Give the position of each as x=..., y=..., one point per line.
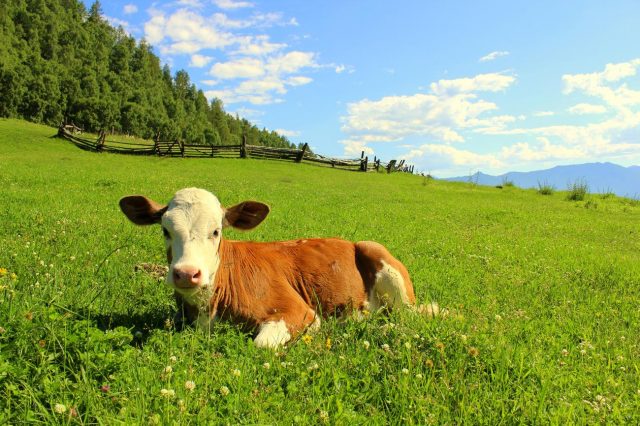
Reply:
x=283, y=325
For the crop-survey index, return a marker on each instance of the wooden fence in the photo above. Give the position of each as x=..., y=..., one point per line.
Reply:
x=177, y=148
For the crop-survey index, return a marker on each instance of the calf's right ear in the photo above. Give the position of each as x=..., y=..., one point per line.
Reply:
x=142, y=210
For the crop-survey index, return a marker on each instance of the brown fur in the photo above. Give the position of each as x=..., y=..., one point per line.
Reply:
x=260, y=282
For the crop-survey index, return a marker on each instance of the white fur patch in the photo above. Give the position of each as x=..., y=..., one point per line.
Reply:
x=389, y=288
x=272, y=334
x=192, y=217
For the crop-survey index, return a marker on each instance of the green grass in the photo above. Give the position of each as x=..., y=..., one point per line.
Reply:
x=542, y=293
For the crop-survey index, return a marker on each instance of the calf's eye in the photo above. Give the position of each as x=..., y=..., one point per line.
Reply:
x=216, y=233
x=165, y=232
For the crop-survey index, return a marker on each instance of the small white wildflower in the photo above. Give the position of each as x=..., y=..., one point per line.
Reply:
x=42, y=263
x=385, y=347
x=51, y=265
x=416, y=336
x=498, y=317
x=173, y=358
x=224, y=391
x=623, y=338
x=189, y=385
x=313, y=366
x=405, y=371
x=620, y=358
x=167, y=393
x=583, y=351
x=407, y=345
x=168, y=369
x=236, y=372
x=366, y=344
x=59, y=408
x=564, y=352
x=418, y=376
x=266, y=366
x=72, y=258
x=324, y=416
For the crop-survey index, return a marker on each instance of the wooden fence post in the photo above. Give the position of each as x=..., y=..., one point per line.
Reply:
x=301, y=153
x=156, y=141
x=364, y=163
x=100, y=141
x=243, y=147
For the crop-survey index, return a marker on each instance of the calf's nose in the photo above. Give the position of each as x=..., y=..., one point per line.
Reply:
x=187, y=276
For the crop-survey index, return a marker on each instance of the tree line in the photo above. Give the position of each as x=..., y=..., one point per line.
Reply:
x=62, y=62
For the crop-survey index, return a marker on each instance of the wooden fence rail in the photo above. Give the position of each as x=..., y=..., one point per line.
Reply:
x=177, y=148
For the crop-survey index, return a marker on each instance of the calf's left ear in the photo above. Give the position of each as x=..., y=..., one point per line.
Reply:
x=142, y=210
x=246, y=215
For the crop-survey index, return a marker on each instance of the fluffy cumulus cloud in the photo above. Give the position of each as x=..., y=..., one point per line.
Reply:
x=232, y=4
x=493, y=56
x=250, y=67
x=451, y=107
x=585, y=108
x=199, y=61
x=447, y=130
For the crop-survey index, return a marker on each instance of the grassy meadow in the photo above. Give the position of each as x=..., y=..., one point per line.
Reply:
x=542, y=299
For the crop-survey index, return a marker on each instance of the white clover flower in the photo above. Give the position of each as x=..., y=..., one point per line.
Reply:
x=564, y=352
x=405, y=371
x=168, y=369
x=419, y=376
x=60, y=408
x=324, y=416
x=385, y=347
x=407, y=345
x=173, y=358
x=224, y=391
x=167, y=393
x=189, y=385
x=498, y=317
x=266, y=366
x=366, y=344
x=236, y=372
x=313, y=366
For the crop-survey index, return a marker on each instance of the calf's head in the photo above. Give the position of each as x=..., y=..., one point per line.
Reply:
x=192, y=225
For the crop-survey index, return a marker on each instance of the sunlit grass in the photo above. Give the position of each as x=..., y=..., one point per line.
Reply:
x=541, y=293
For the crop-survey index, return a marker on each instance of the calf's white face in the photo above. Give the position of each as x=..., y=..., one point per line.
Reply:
x=192, y=224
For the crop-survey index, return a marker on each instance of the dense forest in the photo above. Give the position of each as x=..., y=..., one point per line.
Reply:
x=62, y=62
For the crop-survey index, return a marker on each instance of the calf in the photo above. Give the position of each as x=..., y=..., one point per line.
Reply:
x=278, y=288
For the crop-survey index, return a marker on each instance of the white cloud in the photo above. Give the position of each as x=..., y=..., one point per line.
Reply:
x=446, y=156
x=130, y=9
x=493, y=82
x=238, y=68
x=454, y=110
x=257, y=46
x=288, y=133
x=584, y=108
x=493, y=55
x=199, y=61
x=232, y=4
x=263, y=80
x=543, y=113
x=184, y=31
x=544, y=150
x=210, y=82
x=355, y=148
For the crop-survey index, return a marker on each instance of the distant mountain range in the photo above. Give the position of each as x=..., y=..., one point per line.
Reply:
x=600, y=177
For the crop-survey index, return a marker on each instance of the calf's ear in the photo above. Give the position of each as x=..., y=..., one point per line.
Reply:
x=142, y=210
x=246, y=215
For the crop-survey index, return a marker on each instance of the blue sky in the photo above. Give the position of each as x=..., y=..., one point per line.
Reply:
x=453, y=87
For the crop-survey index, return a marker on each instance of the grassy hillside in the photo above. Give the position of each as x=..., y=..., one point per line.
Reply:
x=542, y=299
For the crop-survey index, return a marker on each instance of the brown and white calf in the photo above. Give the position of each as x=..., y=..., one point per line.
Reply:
x=278, y=288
